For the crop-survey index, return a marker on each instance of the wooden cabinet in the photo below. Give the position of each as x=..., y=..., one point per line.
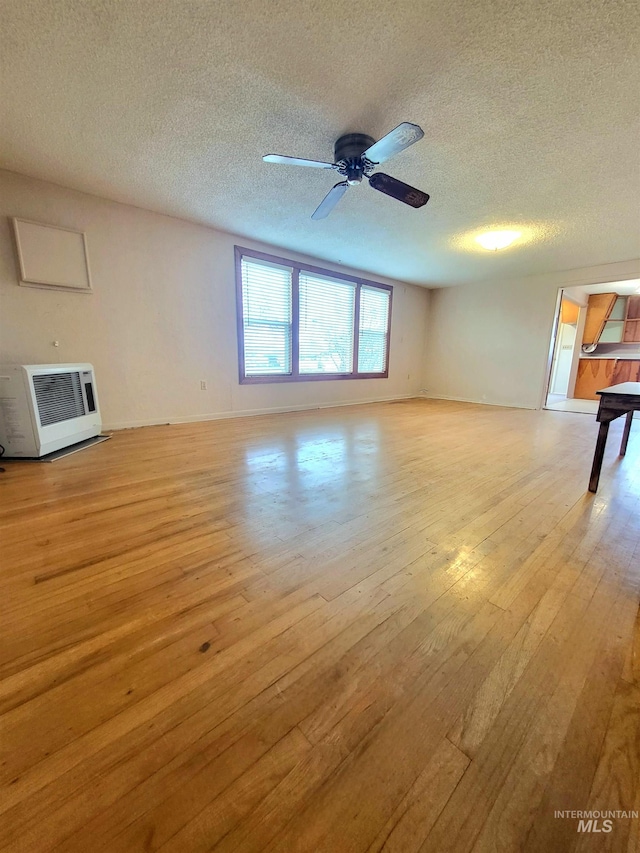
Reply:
x=569, y=312
x=626, y=370
x=594, y=374
x=623, y=325
x=603, y=314
x=632, y=321
x=598, y=310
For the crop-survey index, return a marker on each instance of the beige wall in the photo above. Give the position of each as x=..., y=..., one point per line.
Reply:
x=162, y=315
x=489, y=342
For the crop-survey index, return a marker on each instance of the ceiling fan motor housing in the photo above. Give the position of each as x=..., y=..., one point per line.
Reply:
x=348, y=150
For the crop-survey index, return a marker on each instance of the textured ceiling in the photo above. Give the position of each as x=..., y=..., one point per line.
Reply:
x=530, y=113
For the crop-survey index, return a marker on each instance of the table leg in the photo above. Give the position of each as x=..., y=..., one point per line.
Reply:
x=625, y=434
x=598, y=456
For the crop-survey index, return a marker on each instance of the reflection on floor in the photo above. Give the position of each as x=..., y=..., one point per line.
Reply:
x=561, y=404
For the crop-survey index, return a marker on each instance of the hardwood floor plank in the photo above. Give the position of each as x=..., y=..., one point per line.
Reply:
x=514, y=810
x=570, y=782
x=571, y=636
x=414, y=817
x=617, y=779
x=36, y=776
x=355, y=803
x=389, y=627
x=223, y=814
x=470, y=729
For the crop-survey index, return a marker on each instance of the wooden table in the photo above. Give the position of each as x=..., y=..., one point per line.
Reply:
x=615, y=401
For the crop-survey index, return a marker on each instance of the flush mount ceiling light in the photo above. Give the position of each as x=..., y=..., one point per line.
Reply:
x=492, y=241
x=499, y=235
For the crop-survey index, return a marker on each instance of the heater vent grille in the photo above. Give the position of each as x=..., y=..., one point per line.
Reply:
x=59, y=397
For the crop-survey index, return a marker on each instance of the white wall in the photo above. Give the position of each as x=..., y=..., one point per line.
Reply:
x=490, y=342
x=162, y=315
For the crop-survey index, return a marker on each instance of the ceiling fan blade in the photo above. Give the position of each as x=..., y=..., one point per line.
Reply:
x=397, y=189
x=296, y=161
x=330, y=200
x=397, y=140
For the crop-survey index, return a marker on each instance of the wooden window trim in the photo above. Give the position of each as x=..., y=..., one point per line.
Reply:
x=297, y=267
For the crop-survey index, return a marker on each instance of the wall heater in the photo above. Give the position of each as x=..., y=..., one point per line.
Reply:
x=45, y=407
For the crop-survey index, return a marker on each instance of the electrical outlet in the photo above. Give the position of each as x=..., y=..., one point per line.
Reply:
x=203, y=384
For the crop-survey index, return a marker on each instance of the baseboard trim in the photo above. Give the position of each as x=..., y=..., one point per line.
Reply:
x=428, y=396
x=250, y=413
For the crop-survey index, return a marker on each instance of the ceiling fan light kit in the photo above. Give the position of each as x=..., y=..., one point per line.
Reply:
x=356, y=157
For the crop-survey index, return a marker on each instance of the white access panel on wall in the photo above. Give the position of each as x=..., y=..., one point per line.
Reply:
x=50, y=256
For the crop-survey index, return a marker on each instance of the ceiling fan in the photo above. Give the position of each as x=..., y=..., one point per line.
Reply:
x=356, y=157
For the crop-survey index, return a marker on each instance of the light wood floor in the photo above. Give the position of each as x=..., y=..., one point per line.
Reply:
x=400, y=627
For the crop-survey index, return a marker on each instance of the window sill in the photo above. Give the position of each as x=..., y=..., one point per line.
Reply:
x=310, y=377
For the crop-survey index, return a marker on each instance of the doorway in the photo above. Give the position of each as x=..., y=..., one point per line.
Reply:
x=570, y=322
x=596, y=344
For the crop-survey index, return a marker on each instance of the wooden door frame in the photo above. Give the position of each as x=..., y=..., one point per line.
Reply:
x=552, y=348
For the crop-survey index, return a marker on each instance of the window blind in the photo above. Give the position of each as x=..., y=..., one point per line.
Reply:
x=374, y=330
x=326, y=330
x=266, y=315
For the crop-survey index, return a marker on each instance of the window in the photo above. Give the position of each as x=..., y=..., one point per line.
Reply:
x=373, y=329
x=327, y=312
x=298, y=323
x=266, y=309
